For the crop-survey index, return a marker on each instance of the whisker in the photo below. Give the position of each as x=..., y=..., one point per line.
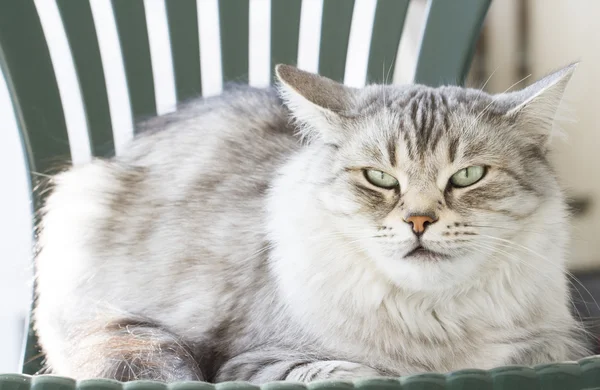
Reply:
x=518, y=230
x=489, y=78
x=547, y=261
x=42, y=175
x=482, y=245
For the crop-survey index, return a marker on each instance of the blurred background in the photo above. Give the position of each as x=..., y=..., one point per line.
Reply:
x=528, y=39
x=521, y=41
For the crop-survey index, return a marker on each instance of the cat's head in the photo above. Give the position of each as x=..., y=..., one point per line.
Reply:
x=433, y=184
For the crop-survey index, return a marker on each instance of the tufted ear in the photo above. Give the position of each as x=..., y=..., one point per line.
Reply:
x=317, y=103
x=534, y=108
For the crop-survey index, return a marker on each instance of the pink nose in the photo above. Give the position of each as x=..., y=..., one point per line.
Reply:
x=419, y=223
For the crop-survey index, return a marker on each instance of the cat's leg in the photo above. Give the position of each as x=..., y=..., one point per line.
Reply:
x=555, y=346
x=127, y=350
x=271, y=365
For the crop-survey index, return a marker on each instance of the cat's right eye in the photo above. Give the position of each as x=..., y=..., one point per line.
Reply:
x=380, y=179
x=468, y=176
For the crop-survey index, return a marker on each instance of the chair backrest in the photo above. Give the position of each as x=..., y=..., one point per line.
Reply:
x=81, y=72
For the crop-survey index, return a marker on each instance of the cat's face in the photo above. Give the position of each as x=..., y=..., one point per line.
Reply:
x=435, y=191
x=430, y=183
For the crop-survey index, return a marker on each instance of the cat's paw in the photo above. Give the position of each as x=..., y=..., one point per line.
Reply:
x=332, y=369
x=349, y=370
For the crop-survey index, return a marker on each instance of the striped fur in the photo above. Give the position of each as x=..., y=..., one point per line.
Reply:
x=230, y=243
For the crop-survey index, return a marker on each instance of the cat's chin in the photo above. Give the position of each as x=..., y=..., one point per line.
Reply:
x=422, y=253
x=423, y=270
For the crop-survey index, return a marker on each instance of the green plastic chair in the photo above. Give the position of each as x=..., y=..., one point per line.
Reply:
x=51, y=100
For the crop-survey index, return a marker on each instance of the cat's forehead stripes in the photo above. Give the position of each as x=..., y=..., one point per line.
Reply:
x=392, y=146
x=452, y=148
x=413, y=124
x=431, y=122
x=424, y=123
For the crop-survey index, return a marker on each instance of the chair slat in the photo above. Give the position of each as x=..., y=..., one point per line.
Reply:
x=81, y=34
x=185, y=47
x=449, y=40
x=387, y=30
x=335, y=30
x=285, y=30
x=159, y=40
x=28, y=65
x=259, y=44
x=66, y=78
x=234, y=26
x=111, y=56
x=309, y=36
x=131, y=25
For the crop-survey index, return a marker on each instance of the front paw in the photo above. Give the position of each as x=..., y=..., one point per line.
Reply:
x=332, y=369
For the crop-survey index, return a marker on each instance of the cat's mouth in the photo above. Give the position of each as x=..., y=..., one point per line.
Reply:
x=421, y=253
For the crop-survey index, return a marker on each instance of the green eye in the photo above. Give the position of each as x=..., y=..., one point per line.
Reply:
x=380, y=179
x=468, y=176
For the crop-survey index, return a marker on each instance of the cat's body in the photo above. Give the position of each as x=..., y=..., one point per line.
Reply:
x=223, y=248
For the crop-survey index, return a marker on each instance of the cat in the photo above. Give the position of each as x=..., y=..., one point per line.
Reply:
x=313, y=231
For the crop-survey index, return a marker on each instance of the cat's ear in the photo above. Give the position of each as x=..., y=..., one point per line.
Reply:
x=318, y=103
x=534, y=108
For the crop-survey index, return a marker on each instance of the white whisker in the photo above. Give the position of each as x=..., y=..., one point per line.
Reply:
x=546, y=260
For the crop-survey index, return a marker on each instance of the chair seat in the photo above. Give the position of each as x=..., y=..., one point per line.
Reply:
x=584, y=374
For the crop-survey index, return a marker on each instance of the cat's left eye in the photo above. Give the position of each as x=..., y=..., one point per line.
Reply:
x=380, y=179
x=468, y=176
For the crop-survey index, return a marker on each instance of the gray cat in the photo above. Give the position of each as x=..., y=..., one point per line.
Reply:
x=388, y=230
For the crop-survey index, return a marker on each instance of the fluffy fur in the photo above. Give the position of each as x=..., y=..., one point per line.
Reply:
x=222, y=247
